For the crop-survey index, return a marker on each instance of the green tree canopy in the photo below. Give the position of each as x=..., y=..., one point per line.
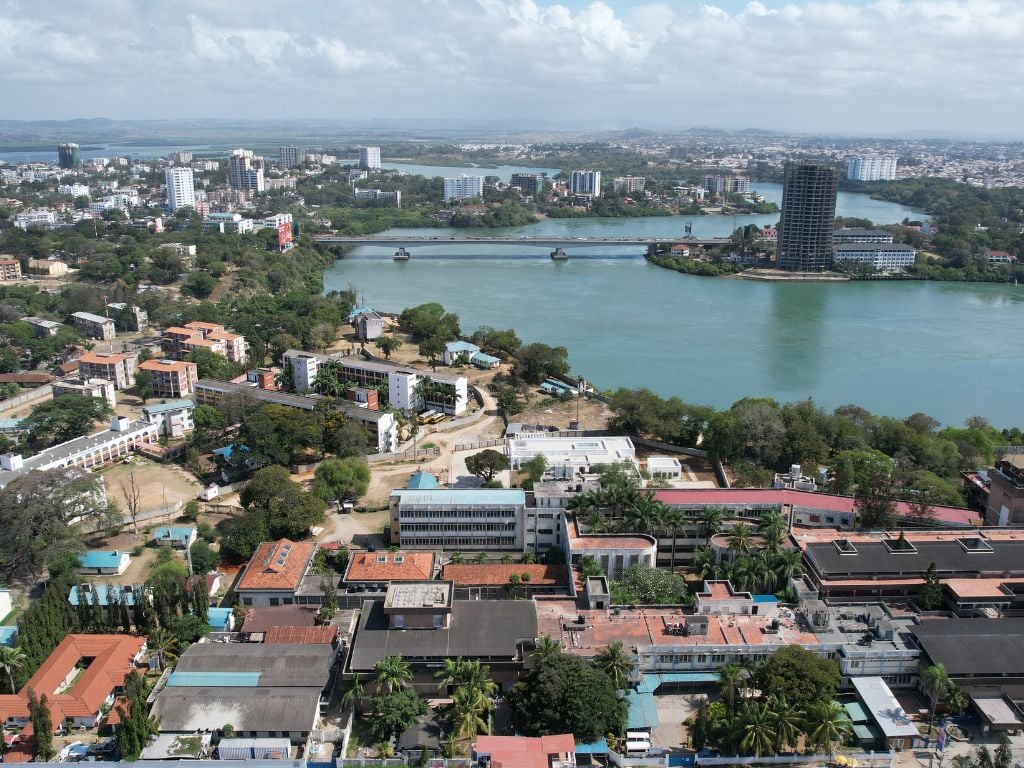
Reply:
x=536, y=362
x=803, y=678
x=65, y=418
x=340, y=478
x=487, y=463
x=644, y=585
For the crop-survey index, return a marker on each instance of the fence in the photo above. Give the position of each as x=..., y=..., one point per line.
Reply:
x=421, y=453
x=44, y=392
x=695, y=452
x=400, y=762
x=477, y=446
x=874, y=759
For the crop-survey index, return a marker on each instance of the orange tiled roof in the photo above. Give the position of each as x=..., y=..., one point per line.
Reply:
x=199, y=325
x=113, y=657
x=177, y=330
x=301, y=635
x=223, y=335
x=390, y=566
x=166, y=365
x=497, y=574
x=525, y=751
x=93, y=358
x=277, y=565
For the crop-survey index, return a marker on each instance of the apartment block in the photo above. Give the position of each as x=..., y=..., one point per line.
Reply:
x=171, y=378
x=10, y=269
x=118, y=369
x=94, y=326
x=452, y=519
x=179, y=341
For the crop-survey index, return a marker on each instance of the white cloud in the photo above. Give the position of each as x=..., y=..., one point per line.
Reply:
x=817, y=64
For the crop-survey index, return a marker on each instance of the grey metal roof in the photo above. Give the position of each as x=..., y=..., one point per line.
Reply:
x=304, y=402
x=187, y=710
x=287, y=666
x=950, y=558
x=478, y=629
x=974, y=647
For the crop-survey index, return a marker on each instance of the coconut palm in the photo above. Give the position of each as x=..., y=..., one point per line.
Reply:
x=457, y=558
x=788, y=723
x=730, y=679
x=773, y=539
x=546, y=648
x=643, y=514
x=739, y=539
x=392, y=672
x=826, y=724
x=11, y=660
x=956, y=699
x=705, y=563
x=353, y=692
x=788, y=564
x=673, y=520
x=615, y=662
x=740, y=573
x=769, y=520
x=163, y=645
x=761, y=573
x=465, y=715
x=451, y=673
x=936, y=682
x=709, y=522
x=756, y=725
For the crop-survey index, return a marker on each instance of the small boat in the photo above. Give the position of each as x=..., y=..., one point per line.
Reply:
x=402, y=255
x=559, y=255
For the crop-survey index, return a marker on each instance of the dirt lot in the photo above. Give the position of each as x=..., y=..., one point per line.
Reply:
x=158, y=483
x=541, y=409
x=673, y=709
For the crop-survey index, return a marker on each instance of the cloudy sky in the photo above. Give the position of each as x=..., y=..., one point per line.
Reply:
x=857, y=66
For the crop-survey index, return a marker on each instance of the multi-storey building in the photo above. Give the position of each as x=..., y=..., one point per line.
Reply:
x=172, y=418
x=1005, y=504
x=101, y=389
x=585, y=183
x=181, y=157
x=861, y=235
x=118, y=369
x=459, y=519
x=379, y=194
x=36, y=217
x=892, y=257
x=10, y=269
x=68, y=155
x=808, y=211
x=528, y=184
x=181, y=190
x=629, y=184
x=179, y=342
x=290, y=156
x=171, y=378
x=228, y=223
x=94, y=326
x=463, y=187
x=369, y=158
x=74, y=190
x=871, y=168
x=245, y=171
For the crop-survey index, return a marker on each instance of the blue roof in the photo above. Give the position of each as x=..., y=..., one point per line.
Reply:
x=461, y=346
x=765, y=598
x=99, y=559
x=642, y=711
x=596, y=748
x=357, y=311
x=484, y=359
x=651, y=683
x=173, y=533
x=444, y=496
x=218, y=618
x=423, y=481
x=170, y=405
x=100, y=593
x=7, y=635
x=213, y=679
x=9, y=423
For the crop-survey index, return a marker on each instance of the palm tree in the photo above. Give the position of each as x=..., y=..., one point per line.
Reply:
x=163, y=645
x=546, y=648
x=771, y=520
x=353, y=693
x=740, y=573
x=457, y=558
x=826, y=725
x=705, y=563
x=739, y=539
x=936, y=682
x=788, y=564
x=529, y=558
x=478, y=677
x=759, y=736
x=11, y=660
x=615, y=662
x=730, y=678
x=709, y=522
x=392, y=672
x=761, y=573
x=643, y=514
x=451, y=673
x=673, y=519
x=466, y=713
x=773, y=538
x=787, y=722
x=956, y=699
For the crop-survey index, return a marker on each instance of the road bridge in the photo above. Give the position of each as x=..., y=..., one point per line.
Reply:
x=420, y=241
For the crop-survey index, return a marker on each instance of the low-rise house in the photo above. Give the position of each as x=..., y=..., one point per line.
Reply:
x=379, y=569
x=887, y=725
x=86, y=387
x=104, y=563
x=525, y=752
x=103, y=594
x=500, y=581
x=175, y=537
x=172, y=418
x=97, y=664
x=117, y=368
x=28, y=379
x=458, y=352
x=12, y=429
x=172, y=378
x=48, y=267
x=94, y=326
x=274, y=572
x=369, y=326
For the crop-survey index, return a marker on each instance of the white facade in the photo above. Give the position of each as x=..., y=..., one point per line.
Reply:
x=585, y=183
x=458, y=519
x=73, y=190
x=629, y=184
x=871, y=168
x=181, y=191
x=567, y=456
x=173, y=419
x=228, y=223
x=892, y=257
x=36, y=217
x=98, y=388
x=369, y=158
x=379, y=194
x=245, y=171
x=463, y=187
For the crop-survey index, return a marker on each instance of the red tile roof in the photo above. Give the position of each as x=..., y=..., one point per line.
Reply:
x=94, y=358
x=497, y=574
x=524, y=751
x=390, y=566
x=277, y=565
x=112, y=657
x=301, y=635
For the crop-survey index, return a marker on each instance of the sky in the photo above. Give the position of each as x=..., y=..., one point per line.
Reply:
x=877, y=67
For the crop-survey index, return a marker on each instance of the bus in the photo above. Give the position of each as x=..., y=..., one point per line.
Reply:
x=426, y=416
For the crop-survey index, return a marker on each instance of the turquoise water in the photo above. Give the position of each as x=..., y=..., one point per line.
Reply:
x=951, y=350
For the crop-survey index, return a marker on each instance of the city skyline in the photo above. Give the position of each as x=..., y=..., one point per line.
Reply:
x=802, y=66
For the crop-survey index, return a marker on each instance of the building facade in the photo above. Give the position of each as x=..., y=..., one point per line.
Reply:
x=808, y=212
x=290, y=156
x=171, y=378
x=181, y=191
x=369, y=158
x=871, y=168
x=463, y=187
x=116, y=368
x=585, y=183
x=68, y=155
x=893, y=257
x=94, y=326
x=459, y=520
x=245, y=171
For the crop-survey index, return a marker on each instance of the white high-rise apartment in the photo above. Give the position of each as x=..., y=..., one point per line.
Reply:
x=585, y=183
x=463, y=187
x=871, y=168
x=369, y=158
x=181, y=190
x=245, y=170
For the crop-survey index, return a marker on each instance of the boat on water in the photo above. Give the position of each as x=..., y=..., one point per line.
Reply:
x=559, y=255
x=402, y=255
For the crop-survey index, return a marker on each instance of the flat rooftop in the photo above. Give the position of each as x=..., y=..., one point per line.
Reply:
x=580, y=450
x=422, y=594
x=974, y=647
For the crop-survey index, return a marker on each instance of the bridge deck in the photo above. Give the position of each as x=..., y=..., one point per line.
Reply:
x=543, y=242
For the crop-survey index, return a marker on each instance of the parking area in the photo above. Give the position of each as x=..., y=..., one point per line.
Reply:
x=673, y=710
